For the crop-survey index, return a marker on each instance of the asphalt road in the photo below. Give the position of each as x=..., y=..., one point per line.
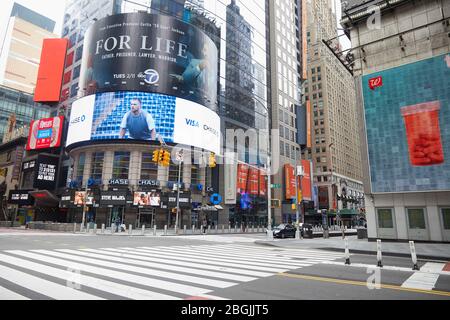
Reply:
x=312, y=274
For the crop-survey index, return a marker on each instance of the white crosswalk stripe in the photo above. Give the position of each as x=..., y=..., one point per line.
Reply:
x=160, y=272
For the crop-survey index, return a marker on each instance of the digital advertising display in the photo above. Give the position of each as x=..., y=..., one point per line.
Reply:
x=45, y=172
x=143, y=116
x=151, y=53
x=407, y=116
x=145, y=199
x=45, y=133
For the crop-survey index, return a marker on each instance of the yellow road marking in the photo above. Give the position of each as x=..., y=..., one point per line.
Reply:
x=361, y=283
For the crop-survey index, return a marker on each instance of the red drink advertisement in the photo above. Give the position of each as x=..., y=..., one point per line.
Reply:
x=289, y=181
x=45, y=133
x=262, y=183
x=423, y=133
x=253, y=181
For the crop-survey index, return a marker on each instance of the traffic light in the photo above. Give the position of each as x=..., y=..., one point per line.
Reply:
x=166, y=158
x=155, y=157
x=3, y=172
x=161, y=156
x=212, y=160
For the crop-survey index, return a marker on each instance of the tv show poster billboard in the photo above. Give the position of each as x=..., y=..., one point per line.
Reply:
x=143, y=116
x=149, y=52
x=152, y=198
x=45, y=133
x=407, y=116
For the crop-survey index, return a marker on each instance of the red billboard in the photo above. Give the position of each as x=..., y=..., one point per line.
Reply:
x=45, y=133
x=289, y=176
x=51, y=68
x=242, y=177
x=253, y=181
x=306, y=181
x=262, y=183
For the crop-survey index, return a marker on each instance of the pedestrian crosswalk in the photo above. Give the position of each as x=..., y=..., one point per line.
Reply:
x=144, y=273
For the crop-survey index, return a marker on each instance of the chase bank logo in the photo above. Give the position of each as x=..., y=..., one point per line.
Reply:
x=78, y=119
x=151, y=76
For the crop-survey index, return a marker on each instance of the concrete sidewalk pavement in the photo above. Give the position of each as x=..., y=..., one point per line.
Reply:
x=431, y=251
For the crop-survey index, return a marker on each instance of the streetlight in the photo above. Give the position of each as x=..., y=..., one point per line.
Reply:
x=269, y=195
x=180, y=160
x=298, y=173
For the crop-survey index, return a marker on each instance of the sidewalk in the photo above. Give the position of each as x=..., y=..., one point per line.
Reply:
x=430, y=251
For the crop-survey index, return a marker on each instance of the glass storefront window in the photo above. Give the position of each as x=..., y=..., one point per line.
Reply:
x=80, y=168
x=385, y=220
x=446, y=218
x=416, y=218
x=121, y=165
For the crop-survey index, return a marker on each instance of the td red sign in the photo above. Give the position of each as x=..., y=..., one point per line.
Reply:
x=375, y=82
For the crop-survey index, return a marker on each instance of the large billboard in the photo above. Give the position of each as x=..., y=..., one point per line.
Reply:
x=51, y=68
x=143, y=116
x=306, y=183
x=45, y=133
x=149, y=52
x=407, y=116
x=45, y=172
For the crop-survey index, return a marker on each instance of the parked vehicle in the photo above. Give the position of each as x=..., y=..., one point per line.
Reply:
x=284, y=231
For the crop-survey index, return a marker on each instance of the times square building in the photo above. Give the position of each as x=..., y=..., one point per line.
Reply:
x=193, y=72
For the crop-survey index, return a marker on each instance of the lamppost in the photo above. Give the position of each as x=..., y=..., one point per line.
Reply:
x=180, y=160
x=298, y=173
x=269, y=195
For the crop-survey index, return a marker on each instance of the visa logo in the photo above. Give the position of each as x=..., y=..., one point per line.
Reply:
x=192, y=123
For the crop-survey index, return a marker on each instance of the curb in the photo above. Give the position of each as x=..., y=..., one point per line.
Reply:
x=369, y=252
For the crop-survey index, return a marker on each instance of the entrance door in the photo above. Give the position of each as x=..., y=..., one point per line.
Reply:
x=417, y=224
x=445, y=219
x=146, y=217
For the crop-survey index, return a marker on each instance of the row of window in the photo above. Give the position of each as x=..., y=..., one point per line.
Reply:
x=121, y=166
x=415, y=216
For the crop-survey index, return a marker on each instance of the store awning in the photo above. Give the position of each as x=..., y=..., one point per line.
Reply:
x=44, y=198
x=348, y=212
x=219, y=207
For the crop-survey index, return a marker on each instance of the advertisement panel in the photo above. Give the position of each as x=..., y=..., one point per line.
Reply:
x=149, y=52
x=143, y=116
x=146, y=199
x=289, y=179
x=50, y=72
x=262, y=183
x=306, y=181
x=407, y=112
x=253, y=181
x=45, y=133
x=45, y=172
x=113, y=198
x=242, y=177
x=20, y=197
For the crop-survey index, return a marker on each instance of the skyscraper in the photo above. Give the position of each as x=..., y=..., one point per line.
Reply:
x=22, y=46
x=331, y=94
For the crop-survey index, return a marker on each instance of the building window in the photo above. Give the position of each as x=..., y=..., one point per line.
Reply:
x=97, y=165
x=173, y=172
x=446, y=218
x=80, y=168
x=76, y=72
x=416, y=218
x=121, y=165
x=385, y=220
x=149, y=169
x=195, y=174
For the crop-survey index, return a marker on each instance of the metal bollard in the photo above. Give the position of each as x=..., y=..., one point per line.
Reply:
x=103, y=228
x=74, y=227
x=347, y=253
x=209, y=229
x=184, y=229
x=413, y=255
x=154, y=230
x=379, y=257
x=95, y=228
x=143, y=229
x=165, y=230
x=223, y=228
x=81, y=227
x=130, y=229
x=234, y=228
x=193, y=229
x=229, y=228
x=216, y=228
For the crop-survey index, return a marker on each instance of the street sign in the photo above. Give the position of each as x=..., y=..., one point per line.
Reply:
x=276, y=185
x=215, y=198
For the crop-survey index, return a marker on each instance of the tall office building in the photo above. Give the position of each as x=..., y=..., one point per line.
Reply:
x=331, y=95
x=402, y=73
x=287, y=63
x=22, y=46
